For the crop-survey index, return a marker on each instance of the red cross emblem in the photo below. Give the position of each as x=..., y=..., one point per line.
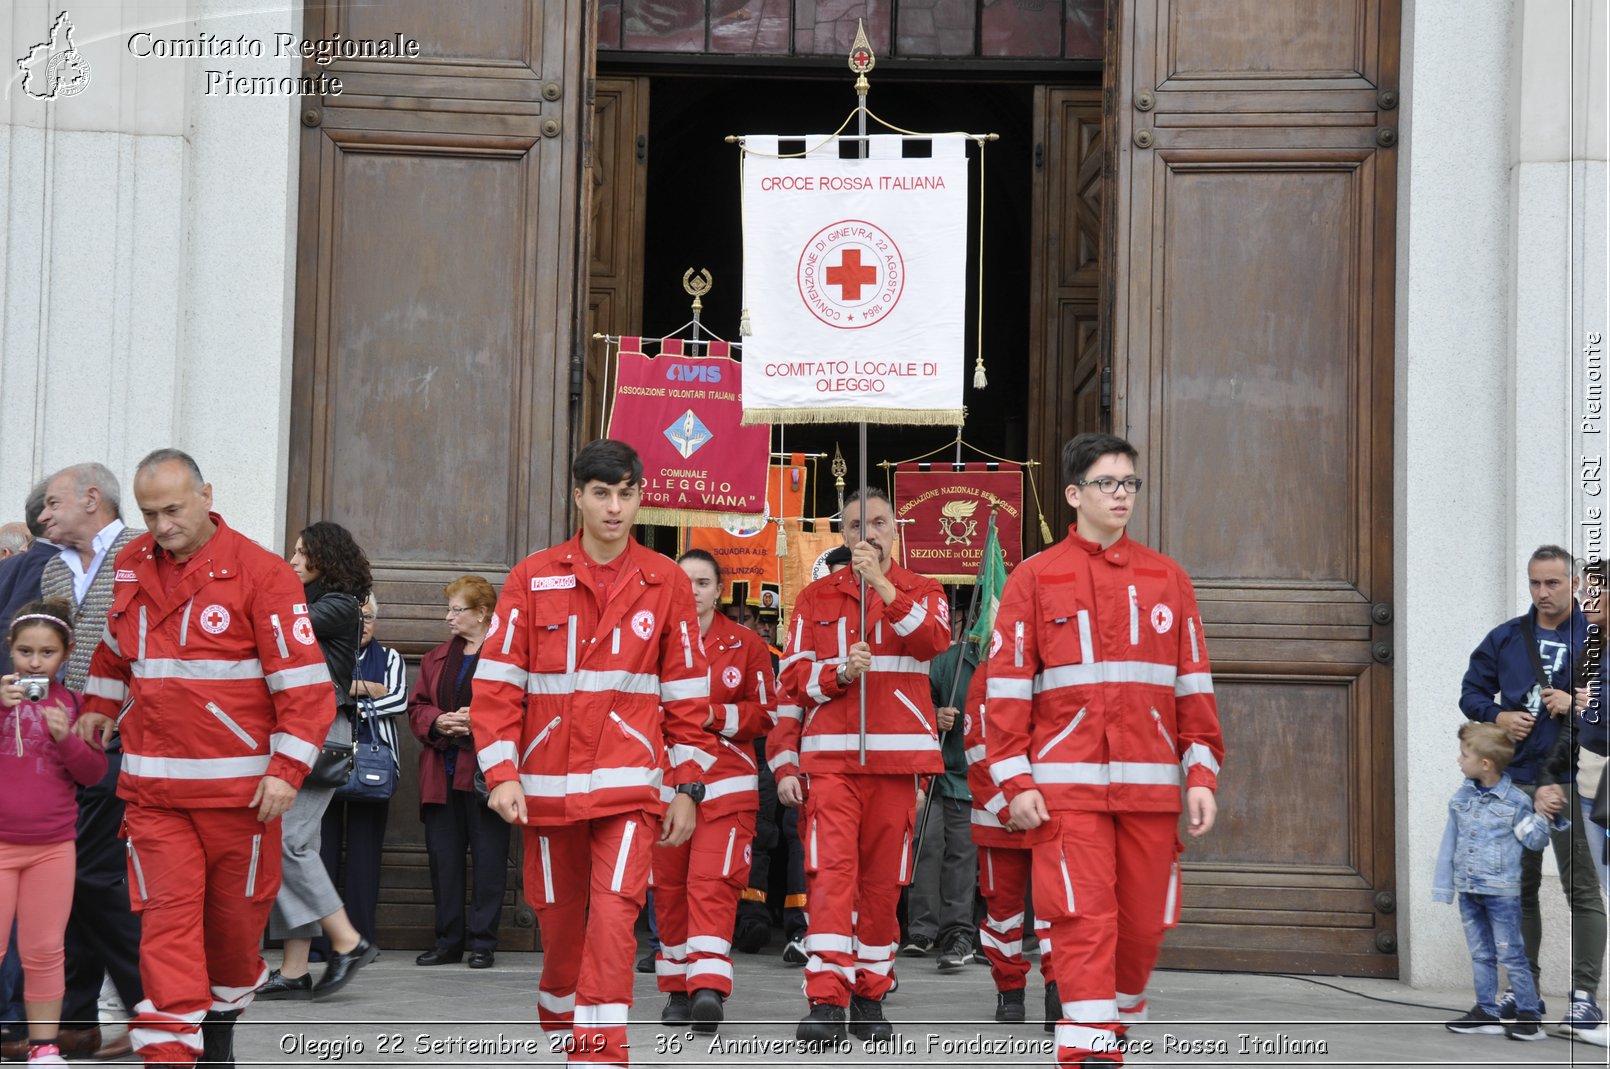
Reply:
x=851, y=274
x=214, y=619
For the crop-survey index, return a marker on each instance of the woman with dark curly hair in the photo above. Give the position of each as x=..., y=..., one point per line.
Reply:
x=335, y=575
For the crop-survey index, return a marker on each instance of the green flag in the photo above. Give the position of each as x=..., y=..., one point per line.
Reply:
x=991, y=581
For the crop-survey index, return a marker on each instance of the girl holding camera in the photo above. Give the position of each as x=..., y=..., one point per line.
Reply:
x=41, y=765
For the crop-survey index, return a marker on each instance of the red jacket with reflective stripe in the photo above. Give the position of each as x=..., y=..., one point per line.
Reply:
x=581, y=705
x=743, y=699
x=223, y=678
x=989, y=801
x=1099, y=684
x=818, y=722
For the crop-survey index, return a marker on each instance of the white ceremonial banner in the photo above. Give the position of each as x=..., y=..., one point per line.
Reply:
x=854, y=281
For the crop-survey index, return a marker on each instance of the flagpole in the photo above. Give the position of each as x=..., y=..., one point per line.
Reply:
x=861, y=61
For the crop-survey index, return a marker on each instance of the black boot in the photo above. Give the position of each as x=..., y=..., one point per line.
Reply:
x=1053, y=1007
x=676, y=1009
x=823, y=1026
x=218, y=1039
x=867, y=1020
x=1009, y=1007
x=705, y=1007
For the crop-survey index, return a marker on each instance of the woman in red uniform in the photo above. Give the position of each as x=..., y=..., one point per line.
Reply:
x=696, y=885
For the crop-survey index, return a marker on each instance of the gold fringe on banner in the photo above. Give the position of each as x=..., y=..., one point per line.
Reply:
x=694, y=518
x=930, y=417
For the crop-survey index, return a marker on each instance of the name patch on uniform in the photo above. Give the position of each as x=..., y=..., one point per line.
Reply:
x=643, y=624
x=1162, y=619
x=125, y=575
x=553, y=582
x=303, y=630
x=731, y=677
x=215, y=619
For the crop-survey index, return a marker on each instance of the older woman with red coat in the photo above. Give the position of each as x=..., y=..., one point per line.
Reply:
x=455, y=815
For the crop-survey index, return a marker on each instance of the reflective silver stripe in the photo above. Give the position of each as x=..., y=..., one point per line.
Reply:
x=911, y=620
x=1087, y=647
x=1158, y=717
x=621, y=858
x=615, y=641
x=877, y=634
x=989, y=858
x=709, y=944
x=799, y=635
x=1190, y=622
x=729, y=720
x=899, y=664
x=1091, y=1009
x=684, y=689
x=874, y=741
x=1141, y=773
x=974, y=754
x=912, y=708
x=1149, y=673
x=760, y=681
x=297, y=749
x=570, y=643
x=593, y=682
x=1064, y=733
x=844, y=643
x=687, y=652
x=492, y=753
x=1193, y=683
x=1007, y=767
x=681, y=753
x=194, y=768
x=731, y=785
x=307, y=675
x=279, y=635
x=1173, y=894
x=1009, y=948
x=840, y=944
x=1067, y=884
x=111, y=642
x=251, y=870
x=995, y=803
x=139, y=873
x=140, y=655
x=488, y=671
x=1017, y=646
x=547, y=869
x=996, y=687
x=802, y=655
x=813, y=683
x=726, y=867
x=1197, y=754
x=508, y=639
x=602, y=1015
x=653, y=754
x=184, y=624
x=213, y=671
x=905, y=855
x=556, y=1003
x=101, y=687
x=583, y=782
x=1134, y=618
x=783, y=759
x=814, y=865
x=228, y=722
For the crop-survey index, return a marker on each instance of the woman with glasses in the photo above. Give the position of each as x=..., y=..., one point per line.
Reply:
x=455, y=815
x=380, y=687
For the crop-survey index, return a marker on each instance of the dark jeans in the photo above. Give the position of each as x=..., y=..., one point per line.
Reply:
x=1580, y=882
x=361, y=828
x=940, y=900
x=463, y=824
x=1493, y=934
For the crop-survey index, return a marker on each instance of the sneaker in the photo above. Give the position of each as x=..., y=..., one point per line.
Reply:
x=957, y=953
x=1507, y=1006
x=1528, y=1027
x=1009, y=1007
x=45, y=1054
x=1477, y=1022
x=794, y=953
x=1053, y=1007
x=677, y=1009
x=823, y=1025
x=1583, y=1016
x=867, y=1021
x=917, y=947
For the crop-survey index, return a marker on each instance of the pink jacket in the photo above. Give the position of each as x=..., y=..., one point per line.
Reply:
x=38, y=795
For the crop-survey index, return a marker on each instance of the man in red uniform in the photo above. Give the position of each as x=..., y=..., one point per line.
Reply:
x=1099, y=693
x=591, y=678
x=209, y=649
x=858, y=815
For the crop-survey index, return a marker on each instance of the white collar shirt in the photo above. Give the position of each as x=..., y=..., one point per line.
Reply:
x=82, y=576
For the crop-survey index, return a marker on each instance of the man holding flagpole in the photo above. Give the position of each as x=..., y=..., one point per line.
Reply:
x=858, y=816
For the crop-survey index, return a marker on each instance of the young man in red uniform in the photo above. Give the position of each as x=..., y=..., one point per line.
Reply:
x=696, y=885
x=858, y=816
x=1099, y=694
x=209, y=648
x=590, y=681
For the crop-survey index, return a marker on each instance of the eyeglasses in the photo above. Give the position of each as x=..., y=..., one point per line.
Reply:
x=367, y=617
x=454, y=610
x=1109, y=486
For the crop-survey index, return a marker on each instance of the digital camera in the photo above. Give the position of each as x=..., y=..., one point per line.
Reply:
x=34, y=688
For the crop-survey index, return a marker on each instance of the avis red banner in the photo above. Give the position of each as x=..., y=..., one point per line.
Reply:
x=944, y=515
x=681, y=413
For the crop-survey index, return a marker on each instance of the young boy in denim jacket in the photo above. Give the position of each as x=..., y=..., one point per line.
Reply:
x=1490, y=821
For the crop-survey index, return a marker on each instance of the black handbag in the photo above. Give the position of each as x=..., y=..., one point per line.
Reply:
x=1601, y=804
x=333, y=766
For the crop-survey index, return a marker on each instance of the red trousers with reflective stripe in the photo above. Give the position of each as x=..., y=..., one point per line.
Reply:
x=1003, y=880
x=857, y=839
x=586, y=881
x=203, y=881
x=1109, y=885
x=696, y=888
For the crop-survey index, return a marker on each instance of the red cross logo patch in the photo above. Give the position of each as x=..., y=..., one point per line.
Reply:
x=731, y=677
x=994, y=641
x=303, y=630
x=851, y=274
x=215, y=619
x=1162, y=619
x=643, y=625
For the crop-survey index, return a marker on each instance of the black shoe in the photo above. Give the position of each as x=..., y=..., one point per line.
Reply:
x=282, y=987
x=218, y=1039
x=867, y=1022
x=823, y=1025
x=1527, y=1026
x=340, y=969
x=752, y=933
x=1053, y=1007
x=440, y=957
x=645, y=964
x=1477, y=1022
x=481, y=959
x=1009, y=1007
x=706, y=1009
x=676, y=1009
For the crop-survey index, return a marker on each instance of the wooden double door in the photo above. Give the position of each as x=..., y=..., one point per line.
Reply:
x=1211, y=276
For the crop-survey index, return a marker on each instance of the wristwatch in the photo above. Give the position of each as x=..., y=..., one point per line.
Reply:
x=693, y=790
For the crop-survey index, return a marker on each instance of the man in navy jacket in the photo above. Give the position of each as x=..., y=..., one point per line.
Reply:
x=1502, y=687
